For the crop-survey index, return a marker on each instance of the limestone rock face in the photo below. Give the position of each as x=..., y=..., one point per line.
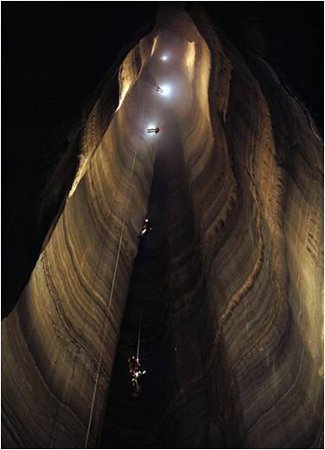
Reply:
x=229, y=282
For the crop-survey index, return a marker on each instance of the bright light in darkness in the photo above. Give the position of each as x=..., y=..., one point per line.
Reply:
x=150, y=125
x=166, y=90
x=163, y=58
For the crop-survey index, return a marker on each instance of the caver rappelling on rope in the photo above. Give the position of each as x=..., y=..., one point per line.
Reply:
x=135, y=370
x=135, y=373
x=146, y=228
x=134, y=365
x=153, y=130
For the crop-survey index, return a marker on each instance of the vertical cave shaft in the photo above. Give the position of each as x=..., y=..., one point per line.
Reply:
x=229, y=281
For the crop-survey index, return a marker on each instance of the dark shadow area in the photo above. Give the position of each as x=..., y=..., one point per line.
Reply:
x=289, y=36
x=129, y=419
x=57, y=57
x=183, y=403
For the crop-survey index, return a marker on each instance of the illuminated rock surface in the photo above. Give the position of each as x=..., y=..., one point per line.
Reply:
x=229, y=282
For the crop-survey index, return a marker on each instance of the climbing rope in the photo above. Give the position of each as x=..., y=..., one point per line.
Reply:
x=109, y=305
x=63, y=397
x=139, y=333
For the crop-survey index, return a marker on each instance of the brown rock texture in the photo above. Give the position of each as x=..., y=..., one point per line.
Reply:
x=233, y=287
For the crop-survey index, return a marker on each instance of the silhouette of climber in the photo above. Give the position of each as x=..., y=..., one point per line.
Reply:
x=153, y=130
x=135, y=373
x=146, y=227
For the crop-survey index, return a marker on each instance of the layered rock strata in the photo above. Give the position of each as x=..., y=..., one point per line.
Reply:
x=234, y=297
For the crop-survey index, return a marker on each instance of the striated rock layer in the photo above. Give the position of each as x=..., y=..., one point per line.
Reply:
x=231, y=285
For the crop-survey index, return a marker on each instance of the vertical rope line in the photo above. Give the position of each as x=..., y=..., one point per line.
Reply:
x=63, y=397
x=139, y=333
x=109, y=305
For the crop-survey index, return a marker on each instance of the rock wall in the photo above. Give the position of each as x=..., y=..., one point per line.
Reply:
x=274, y=354
x=59, y=342
x=241, y=189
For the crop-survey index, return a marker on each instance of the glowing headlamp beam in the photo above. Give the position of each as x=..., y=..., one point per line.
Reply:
x=164, y=90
